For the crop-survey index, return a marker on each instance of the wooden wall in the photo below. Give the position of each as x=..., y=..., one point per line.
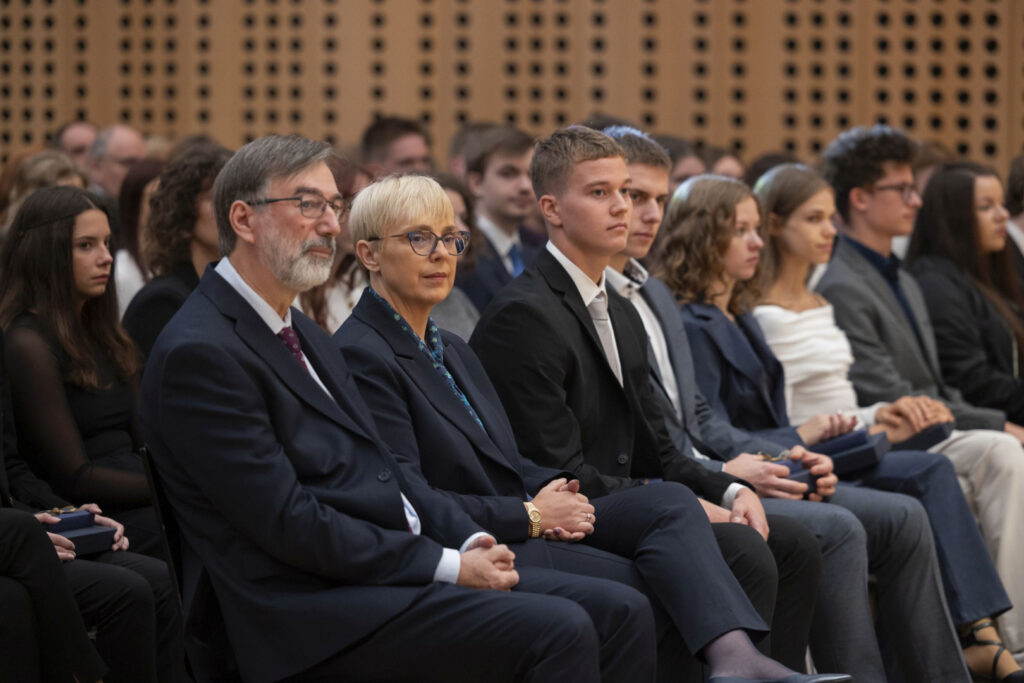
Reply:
x=757, y=75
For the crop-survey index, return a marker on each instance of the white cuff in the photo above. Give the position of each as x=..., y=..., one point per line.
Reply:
x=449, y=566
x=730, y=494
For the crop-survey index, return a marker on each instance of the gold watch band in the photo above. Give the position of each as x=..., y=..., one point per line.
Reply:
x=533, y=513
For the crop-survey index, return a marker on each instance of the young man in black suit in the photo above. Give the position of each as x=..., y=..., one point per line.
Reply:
x=569, y=362
x=323, y=559
x=498, y=174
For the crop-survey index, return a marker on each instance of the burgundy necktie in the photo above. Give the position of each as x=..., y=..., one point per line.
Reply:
x=291, y=340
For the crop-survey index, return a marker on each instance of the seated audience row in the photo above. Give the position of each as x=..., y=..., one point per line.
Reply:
x=626, y=444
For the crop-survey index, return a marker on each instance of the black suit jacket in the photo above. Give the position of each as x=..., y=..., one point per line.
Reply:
x=289, y=503
x=540, y=348
x=694, y=421
x=429, y=427
x=489, y=274
x=156, y=303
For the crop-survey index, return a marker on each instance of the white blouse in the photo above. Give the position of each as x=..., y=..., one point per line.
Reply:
x=816, y=358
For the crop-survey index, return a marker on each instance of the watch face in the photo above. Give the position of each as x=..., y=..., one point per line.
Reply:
x=534, y=515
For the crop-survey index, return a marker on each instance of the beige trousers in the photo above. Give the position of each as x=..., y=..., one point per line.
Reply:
x=990, y=467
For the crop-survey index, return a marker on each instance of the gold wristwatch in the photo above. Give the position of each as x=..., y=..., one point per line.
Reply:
x=534, y=514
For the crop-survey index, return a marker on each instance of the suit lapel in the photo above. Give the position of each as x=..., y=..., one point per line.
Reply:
x=742, y=357
x=255, y=334
x=497, y=441
x=561, y=283
x=421, y=371
x=920, y=311
x=773, y=371
x=877, y=284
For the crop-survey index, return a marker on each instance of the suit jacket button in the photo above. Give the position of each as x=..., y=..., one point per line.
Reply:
x=623, y=458
x=384, y=475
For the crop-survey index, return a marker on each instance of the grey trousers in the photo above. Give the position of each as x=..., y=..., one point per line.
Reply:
x=865, y=531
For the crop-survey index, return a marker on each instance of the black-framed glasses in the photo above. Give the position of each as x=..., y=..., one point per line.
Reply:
x=905, y=190
x=310, y=205
x=423, y=242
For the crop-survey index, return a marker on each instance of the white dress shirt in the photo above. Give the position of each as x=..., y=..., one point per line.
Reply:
x=499, y=239
x=448, y=567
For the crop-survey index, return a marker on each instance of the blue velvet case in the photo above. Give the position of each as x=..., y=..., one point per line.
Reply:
x=80, y=528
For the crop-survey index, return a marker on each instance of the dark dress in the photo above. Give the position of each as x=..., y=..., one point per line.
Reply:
x=83, y=442
x=156, y=303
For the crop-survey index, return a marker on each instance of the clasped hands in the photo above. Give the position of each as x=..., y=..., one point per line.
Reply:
x=908, y=415
x=66, y=548
x=770, y=479
x=566, y=514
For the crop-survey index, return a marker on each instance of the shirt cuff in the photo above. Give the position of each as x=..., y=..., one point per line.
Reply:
x=730, y=494
x=448, y=568
x=469, y=541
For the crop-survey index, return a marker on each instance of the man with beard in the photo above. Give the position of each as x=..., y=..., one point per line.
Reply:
x=303, y=545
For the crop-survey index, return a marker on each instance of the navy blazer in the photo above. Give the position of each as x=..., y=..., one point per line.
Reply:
x=289, y=503
x=429, y=428
x=738, y=373
x=540, y=348
x=713, y=435
x=489, y=273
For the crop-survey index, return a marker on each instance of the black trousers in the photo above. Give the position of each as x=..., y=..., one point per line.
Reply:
x=458, y=634
x=703, y=579
x=130, y=601
x=42, y=637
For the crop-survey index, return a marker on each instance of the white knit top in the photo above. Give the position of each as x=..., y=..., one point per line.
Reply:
x=816, y=358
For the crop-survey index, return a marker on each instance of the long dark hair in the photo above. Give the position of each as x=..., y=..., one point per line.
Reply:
x=36, y=275
x=947, y=226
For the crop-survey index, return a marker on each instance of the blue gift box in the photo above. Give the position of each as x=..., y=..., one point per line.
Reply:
x=71, y=519
x=80, y=528
x=90, y=540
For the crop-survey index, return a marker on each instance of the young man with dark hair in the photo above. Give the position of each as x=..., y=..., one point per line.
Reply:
x=395, y=145
x=899, y=552
x=497, y=172
x=568, y=359
x=882, y=311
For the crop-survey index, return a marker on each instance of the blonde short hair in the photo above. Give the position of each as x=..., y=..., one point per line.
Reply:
x=395, y=200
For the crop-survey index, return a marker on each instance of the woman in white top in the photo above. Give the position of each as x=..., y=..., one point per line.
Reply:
x=797, y=207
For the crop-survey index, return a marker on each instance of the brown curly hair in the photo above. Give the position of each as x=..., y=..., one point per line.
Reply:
x=173, y=211
x=695, y=234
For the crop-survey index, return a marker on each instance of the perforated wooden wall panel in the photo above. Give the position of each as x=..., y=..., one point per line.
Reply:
x=752, y=74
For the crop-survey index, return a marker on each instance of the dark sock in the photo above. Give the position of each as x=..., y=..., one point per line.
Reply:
x=732, y=654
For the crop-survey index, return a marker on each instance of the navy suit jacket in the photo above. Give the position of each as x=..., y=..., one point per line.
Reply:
x=743, y=382
x=289, y=503
x=430, y=429
x=489, y=274
x=541, y=349
x=695, y=421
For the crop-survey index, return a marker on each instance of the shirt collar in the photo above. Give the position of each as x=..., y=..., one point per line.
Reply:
x=888, y=266
x=587, y=288
x=264, y=310
x=499, y=239
x=629, y=281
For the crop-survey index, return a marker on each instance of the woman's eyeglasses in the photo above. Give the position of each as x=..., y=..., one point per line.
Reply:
x=423, y=242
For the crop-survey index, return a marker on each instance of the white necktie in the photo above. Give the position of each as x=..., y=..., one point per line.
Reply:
x=598, y=310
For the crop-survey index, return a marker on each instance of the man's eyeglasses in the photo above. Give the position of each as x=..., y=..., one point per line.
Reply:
x=310, y=205
x=906, y=190
x=423, y=242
